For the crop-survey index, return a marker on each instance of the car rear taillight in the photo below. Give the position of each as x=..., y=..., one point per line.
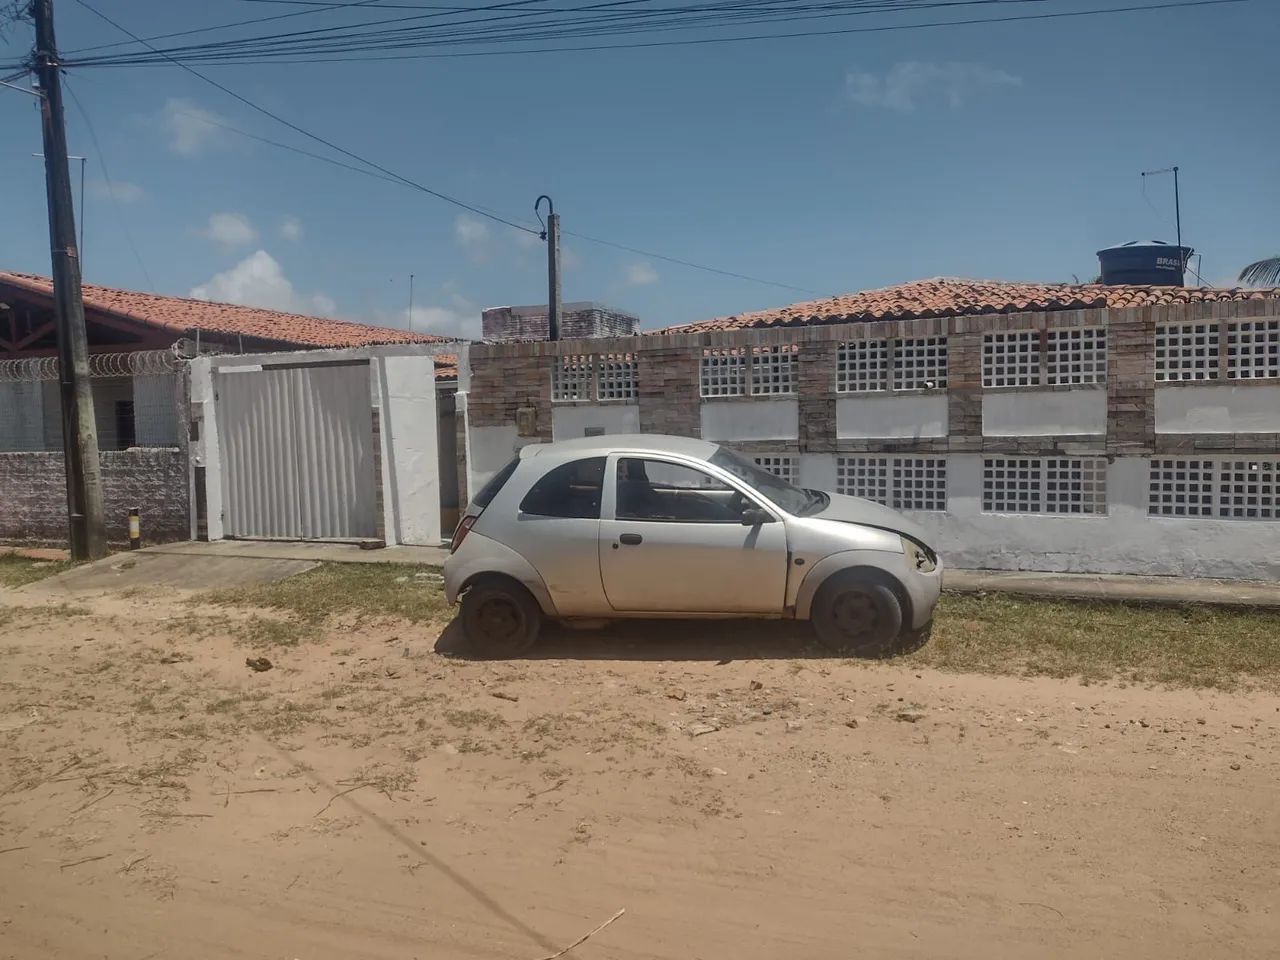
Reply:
x=460, y=534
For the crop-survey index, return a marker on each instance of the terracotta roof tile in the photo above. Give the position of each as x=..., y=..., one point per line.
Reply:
x=446, y=366
x=951, y=297
x=181, y=316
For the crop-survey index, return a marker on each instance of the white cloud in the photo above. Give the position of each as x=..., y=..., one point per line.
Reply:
x=524, y=239
x=473, y=236
x=230, y=230
x=291, y=229
x=259, y=281
x=191, y=129
x=121, y=191
x=641, y=274
x=454, y=316
x=911, y=82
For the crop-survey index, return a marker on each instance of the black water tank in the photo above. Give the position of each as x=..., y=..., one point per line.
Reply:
x=1153, y=262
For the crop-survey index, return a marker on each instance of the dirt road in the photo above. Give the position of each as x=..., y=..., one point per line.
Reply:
x=370, y=797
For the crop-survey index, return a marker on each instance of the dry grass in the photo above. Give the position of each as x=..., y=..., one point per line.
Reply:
x=1193, y=646
x=16, y=571
x=362, y=590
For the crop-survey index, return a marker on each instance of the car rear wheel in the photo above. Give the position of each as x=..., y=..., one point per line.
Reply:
x=500, y=618
x=855, y=615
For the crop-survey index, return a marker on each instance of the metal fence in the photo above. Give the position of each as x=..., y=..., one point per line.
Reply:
x=137, y=397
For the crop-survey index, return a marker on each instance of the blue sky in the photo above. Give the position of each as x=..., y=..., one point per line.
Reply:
x=1005, y=151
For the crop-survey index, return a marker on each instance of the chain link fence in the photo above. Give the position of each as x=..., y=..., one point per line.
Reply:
x=137, y=399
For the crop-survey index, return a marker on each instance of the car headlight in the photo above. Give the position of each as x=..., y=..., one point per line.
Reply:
x=919, y=556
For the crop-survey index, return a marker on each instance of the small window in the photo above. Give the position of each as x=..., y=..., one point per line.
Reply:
x=495, y=483
x=673, y=493
x=571, y=491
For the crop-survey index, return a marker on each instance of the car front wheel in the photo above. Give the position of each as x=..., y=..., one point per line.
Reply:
x=855, y=615
x=500, y=618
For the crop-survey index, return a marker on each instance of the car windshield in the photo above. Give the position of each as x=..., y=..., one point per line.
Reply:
x=790, y=498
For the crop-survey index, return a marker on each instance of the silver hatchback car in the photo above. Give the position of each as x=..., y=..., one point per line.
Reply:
x=603, y=528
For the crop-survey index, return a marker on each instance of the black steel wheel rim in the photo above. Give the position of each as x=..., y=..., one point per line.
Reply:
x=500, y=619
x=854, y=613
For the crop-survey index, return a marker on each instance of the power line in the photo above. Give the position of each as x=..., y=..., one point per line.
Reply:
x=311, y=136
x=106, y=175
x=326, y=8
x=714, y=13
x=396, y=178
x=285, y=48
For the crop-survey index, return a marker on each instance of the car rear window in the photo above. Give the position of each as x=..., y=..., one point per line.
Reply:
x=571, y=490
x=490, y=489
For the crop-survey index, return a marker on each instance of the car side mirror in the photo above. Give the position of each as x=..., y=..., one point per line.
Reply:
x=754, y=516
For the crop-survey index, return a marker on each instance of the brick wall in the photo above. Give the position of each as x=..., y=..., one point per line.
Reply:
x=33, y=492
x=577, y=321
x=507, y=377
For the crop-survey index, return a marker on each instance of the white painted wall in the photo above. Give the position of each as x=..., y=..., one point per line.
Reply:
x=750, y=419
x=410, y=454
x=892, y=417
x=1218, y=408
x=1044, y=413
x=1125, y=540
x=569, y=420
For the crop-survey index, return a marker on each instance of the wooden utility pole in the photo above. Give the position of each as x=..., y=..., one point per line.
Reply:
x=552, y=235
x=88, y=533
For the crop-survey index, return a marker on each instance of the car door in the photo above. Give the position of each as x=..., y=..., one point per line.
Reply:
x=557, y=529
x=672, y=540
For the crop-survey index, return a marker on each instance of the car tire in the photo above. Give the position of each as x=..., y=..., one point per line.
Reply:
x=500, y=618
x=856, y=615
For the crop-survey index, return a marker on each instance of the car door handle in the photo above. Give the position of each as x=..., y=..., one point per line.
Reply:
x=631, y=539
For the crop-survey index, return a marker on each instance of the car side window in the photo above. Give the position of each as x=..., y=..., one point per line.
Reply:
x=571, y=490
x=673, y=493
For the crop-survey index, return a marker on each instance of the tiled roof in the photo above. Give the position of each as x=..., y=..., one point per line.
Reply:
x=446, y=366
x=951, y=297
x=180, y=316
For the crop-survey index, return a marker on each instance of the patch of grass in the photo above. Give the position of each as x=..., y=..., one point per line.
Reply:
x=1193, y=646
x=16, y=571
x=337, y=589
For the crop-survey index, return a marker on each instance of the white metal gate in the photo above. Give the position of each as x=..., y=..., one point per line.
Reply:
x=297, y=451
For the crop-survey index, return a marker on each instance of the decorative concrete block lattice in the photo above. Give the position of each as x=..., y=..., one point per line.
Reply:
x=1181, y=488
x=862, y=366
x=919, y=483
x=773, y=370
x=1013, y=485
x=1011, y=359
x=1226, y=489
x=780, y=465
x=618, y=376
x=1075, y=485
x=920, y=363
x=904, y=483
x=1187, y=351
x=723, y=372
x=1077, y=356
x=572, y=378
x=1253, y=349
x=866, y=477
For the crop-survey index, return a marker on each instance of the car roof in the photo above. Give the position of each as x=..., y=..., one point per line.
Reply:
x=622, y=443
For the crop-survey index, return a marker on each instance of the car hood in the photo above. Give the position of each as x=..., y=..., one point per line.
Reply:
x=870, y=514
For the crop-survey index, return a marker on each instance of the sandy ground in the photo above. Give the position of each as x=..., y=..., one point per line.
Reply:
x=372, y=797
